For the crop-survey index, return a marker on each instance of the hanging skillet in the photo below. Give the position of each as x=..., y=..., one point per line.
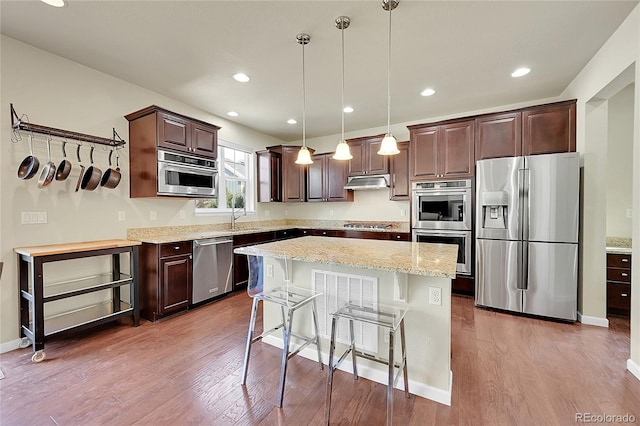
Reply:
x=111, y=177
x=91, y=178
x=29, y=166
x=64, y=168
x=49, y=169
x=81, y=169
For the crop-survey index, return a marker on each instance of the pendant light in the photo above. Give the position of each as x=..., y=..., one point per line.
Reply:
x=342, y=150
x=304, y=156
x=389, y=145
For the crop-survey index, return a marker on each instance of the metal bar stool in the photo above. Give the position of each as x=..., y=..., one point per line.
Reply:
x=290, y=299
x=389, y=317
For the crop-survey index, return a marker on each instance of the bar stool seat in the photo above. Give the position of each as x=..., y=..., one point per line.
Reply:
x=290, y=298
x=386, y=316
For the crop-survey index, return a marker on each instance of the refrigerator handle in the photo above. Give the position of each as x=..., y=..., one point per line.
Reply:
x=525, y=204
x=523, y=265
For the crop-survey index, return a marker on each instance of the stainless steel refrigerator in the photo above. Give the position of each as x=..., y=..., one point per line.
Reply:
x=527, y=212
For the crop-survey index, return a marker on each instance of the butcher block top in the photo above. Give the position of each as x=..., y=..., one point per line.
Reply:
x=35, y=251
x=435, y=260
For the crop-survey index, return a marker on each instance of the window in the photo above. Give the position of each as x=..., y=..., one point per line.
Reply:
x=235, y=181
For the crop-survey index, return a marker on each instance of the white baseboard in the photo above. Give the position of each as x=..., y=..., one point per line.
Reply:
x=633, y=368
x=597, y=321
x=416, y=388
x=9, y=346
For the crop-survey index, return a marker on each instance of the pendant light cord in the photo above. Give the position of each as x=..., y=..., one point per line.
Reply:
x=389, y=79
x=342, y=33
x=304, y=103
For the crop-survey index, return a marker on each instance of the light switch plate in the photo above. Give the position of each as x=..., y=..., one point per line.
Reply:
x=629, y=213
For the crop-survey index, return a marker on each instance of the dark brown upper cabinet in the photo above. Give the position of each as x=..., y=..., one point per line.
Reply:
x=326, y=179
x=279, y=177
x=366, y=160
x=499, y=135
x=269, y=176
x=549, y=128
x=400, y=185
x=543, y=129
x=442, y=151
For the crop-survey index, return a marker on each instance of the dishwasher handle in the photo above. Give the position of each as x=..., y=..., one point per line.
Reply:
x=212, y=243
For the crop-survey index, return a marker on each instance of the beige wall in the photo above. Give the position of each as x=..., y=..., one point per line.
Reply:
x=619, y=53
x=620, y=162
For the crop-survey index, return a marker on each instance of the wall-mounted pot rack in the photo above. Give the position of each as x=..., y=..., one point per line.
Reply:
x=18, y=124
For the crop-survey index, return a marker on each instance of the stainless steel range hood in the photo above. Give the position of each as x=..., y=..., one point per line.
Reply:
x=368, y=182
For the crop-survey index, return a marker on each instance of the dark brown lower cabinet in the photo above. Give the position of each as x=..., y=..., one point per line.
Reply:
x=619, y=284
x=463, y=285
x=165, y=279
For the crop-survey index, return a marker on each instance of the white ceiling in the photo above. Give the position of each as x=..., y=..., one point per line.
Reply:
x=188, y=50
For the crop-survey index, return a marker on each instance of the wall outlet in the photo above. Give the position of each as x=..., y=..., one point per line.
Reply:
x=330, y=212
x=122, y=215
x=153, y=215
x=435, y=296
x=403, y=212
x=269, y=270
x=286, y=212
x=182, y=214
x=267, y=213
x=30, y=218
x=629, y=213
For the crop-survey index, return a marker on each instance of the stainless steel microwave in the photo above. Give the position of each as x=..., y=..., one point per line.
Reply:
x=186, y=175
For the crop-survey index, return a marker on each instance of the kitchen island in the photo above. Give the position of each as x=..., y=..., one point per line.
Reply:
x=388, y=272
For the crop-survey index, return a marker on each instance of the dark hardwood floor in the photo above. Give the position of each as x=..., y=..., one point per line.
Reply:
x=507, y=370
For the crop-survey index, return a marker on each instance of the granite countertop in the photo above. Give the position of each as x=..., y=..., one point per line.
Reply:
x=435, y=260
x=618, y=245
x=172, y=234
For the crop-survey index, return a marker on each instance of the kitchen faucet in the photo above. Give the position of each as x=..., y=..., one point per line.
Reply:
x=242, y=210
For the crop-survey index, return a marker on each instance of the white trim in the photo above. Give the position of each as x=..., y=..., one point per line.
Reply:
x=597, y=321
x=415, y=388
x=10, y=346
x=633, y=368
x=237, y=147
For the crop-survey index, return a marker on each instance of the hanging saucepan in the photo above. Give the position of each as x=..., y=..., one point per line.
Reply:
x=111, y=177
x=49, y=169
x=91, y=178
x=29, y=166
x=81, y=169
x=64, y=168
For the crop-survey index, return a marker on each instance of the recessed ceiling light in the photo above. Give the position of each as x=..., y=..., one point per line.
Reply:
x=520, y=72
x=241, y=77
x=427, y=92
x=54, y=3
x=232, y=114
x=348, y=109
x=292, y=121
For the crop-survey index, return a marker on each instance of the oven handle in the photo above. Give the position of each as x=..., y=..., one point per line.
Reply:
x=453, y=191
x=191, y=169
x=443, y=233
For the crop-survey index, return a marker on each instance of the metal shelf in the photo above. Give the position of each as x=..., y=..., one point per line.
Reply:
x=64, y=289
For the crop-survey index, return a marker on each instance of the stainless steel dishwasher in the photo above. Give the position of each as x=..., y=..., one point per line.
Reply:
x=212, y=268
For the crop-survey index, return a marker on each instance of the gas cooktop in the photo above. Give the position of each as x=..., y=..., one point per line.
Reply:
x=367, y=225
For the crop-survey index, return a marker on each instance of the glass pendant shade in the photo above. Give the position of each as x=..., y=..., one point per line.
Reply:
x=342, y=152
x=389, y=146
x=304, y=156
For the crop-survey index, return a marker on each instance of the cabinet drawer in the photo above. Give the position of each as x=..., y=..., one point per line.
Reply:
x=618, y=261
x=400, y=236
x=172, y=249
x=619, y=296
x=619, y=274
x=249, y=239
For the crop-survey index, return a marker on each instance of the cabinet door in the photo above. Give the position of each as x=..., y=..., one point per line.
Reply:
x=293, y=185
x=424, y=153
x=499, y=136
x=357, y=165
x=548, y=130
x=173, y=132
x=175, y=283
x=204, y=140
x=456, y=150
x=336, y=178
x=240, y=271
x=269, y=176
x=316, y=190
x=399, y=168
x=376, y=164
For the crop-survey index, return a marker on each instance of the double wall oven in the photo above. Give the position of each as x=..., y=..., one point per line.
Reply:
x=442, y=213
